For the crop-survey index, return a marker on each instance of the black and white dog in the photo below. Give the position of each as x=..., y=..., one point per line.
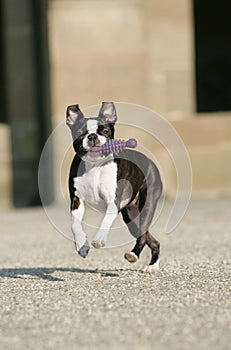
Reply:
x=96, y=179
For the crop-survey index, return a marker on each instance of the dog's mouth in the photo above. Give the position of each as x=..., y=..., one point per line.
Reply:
x=90, y=142
x=89, y=148
x=93, y=143
x=92, y=156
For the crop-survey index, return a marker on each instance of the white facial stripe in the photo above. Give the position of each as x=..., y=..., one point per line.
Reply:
x=92, y=126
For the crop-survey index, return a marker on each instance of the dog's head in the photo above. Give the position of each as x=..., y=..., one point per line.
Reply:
x=90, y=132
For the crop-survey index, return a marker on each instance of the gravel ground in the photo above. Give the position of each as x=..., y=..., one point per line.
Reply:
x=53, y=299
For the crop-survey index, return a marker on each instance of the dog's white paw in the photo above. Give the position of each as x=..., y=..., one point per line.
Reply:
x=152, y=268
x=131, y=257
x=83, y=250
x=99, y=243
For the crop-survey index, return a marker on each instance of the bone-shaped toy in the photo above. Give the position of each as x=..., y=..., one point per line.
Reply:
x=115, y=146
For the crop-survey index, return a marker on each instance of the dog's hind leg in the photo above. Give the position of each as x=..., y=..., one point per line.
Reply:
x=141, y=238
x=131, y=218
x=146, y=217
x=154, y=245
x=140, y=222
x=134, y=254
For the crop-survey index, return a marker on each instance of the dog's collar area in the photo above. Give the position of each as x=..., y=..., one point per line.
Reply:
x=100, y=162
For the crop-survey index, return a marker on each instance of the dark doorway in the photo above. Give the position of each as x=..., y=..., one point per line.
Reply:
x=25, y=94
x=2, y=76
x=212, y=21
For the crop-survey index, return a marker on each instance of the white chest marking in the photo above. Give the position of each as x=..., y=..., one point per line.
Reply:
x=98, y=185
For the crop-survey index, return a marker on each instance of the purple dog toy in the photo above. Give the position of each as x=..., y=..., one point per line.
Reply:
x=115, y=146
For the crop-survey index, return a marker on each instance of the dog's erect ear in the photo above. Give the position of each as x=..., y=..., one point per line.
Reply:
x=73, y=115
x=108, y=112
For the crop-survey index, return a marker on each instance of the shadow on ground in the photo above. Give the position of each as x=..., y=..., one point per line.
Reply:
x=45, y=273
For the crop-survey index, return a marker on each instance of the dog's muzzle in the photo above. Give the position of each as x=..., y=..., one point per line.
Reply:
x=92, y=139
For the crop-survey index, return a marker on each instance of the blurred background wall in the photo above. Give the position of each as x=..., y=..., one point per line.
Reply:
x=133, y=50
x=166, y=55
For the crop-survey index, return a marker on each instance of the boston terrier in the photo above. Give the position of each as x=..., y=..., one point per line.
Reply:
x=128, y=183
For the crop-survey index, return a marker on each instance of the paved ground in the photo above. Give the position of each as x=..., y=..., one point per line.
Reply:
x=53, y=299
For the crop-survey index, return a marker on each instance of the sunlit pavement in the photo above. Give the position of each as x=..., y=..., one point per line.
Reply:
x=53, y=299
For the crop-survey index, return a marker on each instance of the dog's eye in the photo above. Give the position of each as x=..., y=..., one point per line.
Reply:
x=105, y=131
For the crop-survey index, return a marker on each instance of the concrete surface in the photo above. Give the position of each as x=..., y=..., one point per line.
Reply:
x=53, y=299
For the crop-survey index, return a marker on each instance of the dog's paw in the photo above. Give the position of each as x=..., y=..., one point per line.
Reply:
x=152, y=268
x=83, y=250
x=99, y=243
x=131, y=257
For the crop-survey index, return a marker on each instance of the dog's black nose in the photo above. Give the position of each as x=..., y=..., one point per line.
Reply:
x=92, y=137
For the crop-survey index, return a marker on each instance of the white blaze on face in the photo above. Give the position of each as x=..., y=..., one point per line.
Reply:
x=92, y=127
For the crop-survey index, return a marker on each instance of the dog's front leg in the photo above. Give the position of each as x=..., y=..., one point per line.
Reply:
x=80, y=238
x=100, y=238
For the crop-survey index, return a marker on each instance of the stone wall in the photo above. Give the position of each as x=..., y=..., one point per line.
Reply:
x=136, y=51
